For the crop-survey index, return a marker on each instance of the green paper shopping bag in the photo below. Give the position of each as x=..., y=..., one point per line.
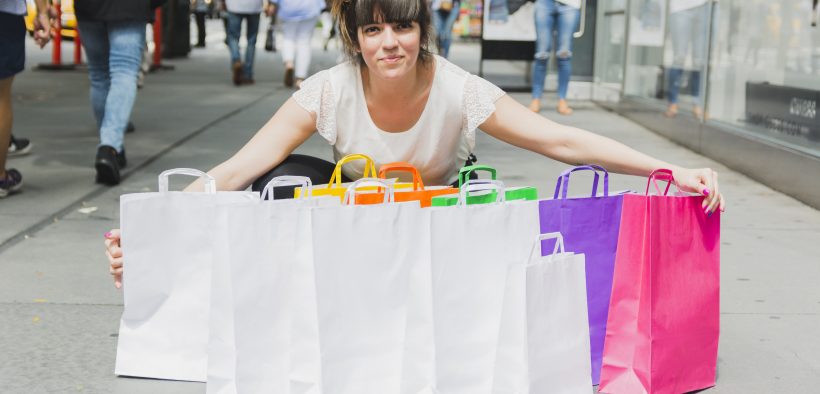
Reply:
x=512, y=193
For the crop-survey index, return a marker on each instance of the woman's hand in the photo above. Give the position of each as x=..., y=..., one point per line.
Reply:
x=114, y=253
x=702, y=181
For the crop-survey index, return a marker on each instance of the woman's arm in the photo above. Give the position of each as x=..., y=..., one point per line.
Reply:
x=289, y=127
x=515, y=124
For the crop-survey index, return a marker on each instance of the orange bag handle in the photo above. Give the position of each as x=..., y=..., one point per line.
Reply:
x=401, y=166
x=369, y=168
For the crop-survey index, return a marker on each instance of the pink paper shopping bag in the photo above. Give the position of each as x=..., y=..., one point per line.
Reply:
x=663, y=325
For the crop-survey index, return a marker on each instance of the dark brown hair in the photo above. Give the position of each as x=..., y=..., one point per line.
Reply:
x=353, y=14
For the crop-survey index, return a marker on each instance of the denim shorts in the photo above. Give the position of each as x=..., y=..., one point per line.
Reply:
x=12, y=44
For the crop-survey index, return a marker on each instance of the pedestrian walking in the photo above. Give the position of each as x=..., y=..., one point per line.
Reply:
x=200, y=11
x=444, y=15
x=113, y=34
x=236, y=12
x=395, y=101
x=12, y=61
x=559, y=17
x=298, y=20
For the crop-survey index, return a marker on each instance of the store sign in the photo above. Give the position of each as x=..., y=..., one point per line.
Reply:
x=784, y=110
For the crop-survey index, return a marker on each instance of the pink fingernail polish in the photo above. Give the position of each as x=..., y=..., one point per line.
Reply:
x=107, y=235
x=705, y=192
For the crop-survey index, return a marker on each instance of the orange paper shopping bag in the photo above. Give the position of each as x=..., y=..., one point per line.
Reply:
x=663, y=325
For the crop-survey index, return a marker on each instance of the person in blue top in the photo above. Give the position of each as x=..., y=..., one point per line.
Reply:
x=298, y=19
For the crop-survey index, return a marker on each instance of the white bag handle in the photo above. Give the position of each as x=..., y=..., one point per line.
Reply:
x=559, y=243
x=387, y=184
x=210, y=182
x=288, y=180
x=474, y=185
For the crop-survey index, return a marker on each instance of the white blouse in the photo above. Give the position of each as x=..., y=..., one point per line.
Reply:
x=437, y=145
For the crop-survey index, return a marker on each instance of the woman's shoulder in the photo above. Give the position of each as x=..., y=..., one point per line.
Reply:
x=450, y=71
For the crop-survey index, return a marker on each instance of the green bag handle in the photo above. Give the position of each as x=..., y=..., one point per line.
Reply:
x=464, y=172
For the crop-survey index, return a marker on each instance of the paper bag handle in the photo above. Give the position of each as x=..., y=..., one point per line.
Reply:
x=369, y=168
x=288, y=180
x=474, y=185
x=418, y=184
x=661, y=174
x=350, y=193
x=210, y=182
x=559, y=243
x=464, y=173
x=563, y=181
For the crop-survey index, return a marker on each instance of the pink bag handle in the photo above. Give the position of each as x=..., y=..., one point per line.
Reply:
x=661, y=174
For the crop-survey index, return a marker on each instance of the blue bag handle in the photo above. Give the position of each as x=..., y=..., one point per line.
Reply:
x=563, y=180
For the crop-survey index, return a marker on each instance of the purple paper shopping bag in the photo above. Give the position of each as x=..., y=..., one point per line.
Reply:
x=589, y=226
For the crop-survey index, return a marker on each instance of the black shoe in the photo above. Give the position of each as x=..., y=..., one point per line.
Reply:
x=107, y=165
x=19, y=146
x=121, y=159
x=130, y=127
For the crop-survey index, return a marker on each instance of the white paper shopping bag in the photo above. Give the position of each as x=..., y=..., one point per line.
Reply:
x=169, y=240
x=373, y=296
x=544, y=340
x=268, y=270
x=473, y=247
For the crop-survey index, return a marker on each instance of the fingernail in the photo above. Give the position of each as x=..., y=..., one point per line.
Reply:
x=107, y=235
x=705, y=192
x=709, y=214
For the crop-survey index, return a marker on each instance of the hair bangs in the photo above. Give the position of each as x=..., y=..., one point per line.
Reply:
x=370, y=12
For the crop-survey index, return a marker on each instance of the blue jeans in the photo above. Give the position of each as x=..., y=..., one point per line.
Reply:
x=687, y=29
x=443, y=22
x=550, y=16
x=114, y=52
x=234, y=31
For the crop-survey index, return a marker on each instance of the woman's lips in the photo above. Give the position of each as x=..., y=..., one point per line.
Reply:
x=391, y=59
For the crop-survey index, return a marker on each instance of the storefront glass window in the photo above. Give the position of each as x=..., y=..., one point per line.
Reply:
x=765, y=70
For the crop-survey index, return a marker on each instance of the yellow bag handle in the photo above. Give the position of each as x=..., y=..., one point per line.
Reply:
x=369, y=168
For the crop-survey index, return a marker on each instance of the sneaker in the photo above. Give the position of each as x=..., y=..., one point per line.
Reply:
x=289, y=77
x=19, y=146
x=107, y=165
x=11, y=183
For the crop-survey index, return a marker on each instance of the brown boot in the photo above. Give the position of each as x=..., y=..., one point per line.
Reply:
x=289, y=77
x=237, y=73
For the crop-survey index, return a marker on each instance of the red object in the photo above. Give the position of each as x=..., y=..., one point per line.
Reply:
x=157, y=37
x=57, y=46
x=78, y=49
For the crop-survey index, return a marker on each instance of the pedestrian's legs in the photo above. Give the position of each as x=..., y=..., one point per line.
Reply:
x=567, y=22
x=680, y=35
x=200, y=28
x=126, y=42
x=446, y=32
x=289, y=32
x=438, y=26
x=304, y=36
x=95, y=41
x=252, y=30
x=234, y=30
x=544, y=22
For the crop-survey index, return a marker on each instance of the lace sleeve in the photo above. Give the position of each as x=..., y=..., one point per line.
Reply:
x=316, y=96
x=478, y=103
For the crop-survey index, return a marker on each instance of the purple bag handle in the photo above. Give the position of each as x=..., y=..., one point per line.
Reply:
x=661, y=174
x=563, y=180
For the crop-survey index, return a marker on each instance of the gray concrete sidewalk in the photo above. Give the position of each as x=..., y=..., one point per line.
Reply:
x=59, y=313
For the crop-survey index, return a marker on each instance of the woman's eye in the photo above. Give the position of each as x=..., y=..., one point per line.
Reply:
x=371, y=29
x=404, y=26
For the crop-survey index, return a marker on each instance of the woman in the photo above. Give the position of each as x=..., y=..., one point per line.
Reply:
x=395, y=101
x=298, y=19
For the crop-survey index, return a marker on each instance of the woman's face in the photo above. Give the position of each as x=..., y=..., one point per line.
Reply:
x=390, y=49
